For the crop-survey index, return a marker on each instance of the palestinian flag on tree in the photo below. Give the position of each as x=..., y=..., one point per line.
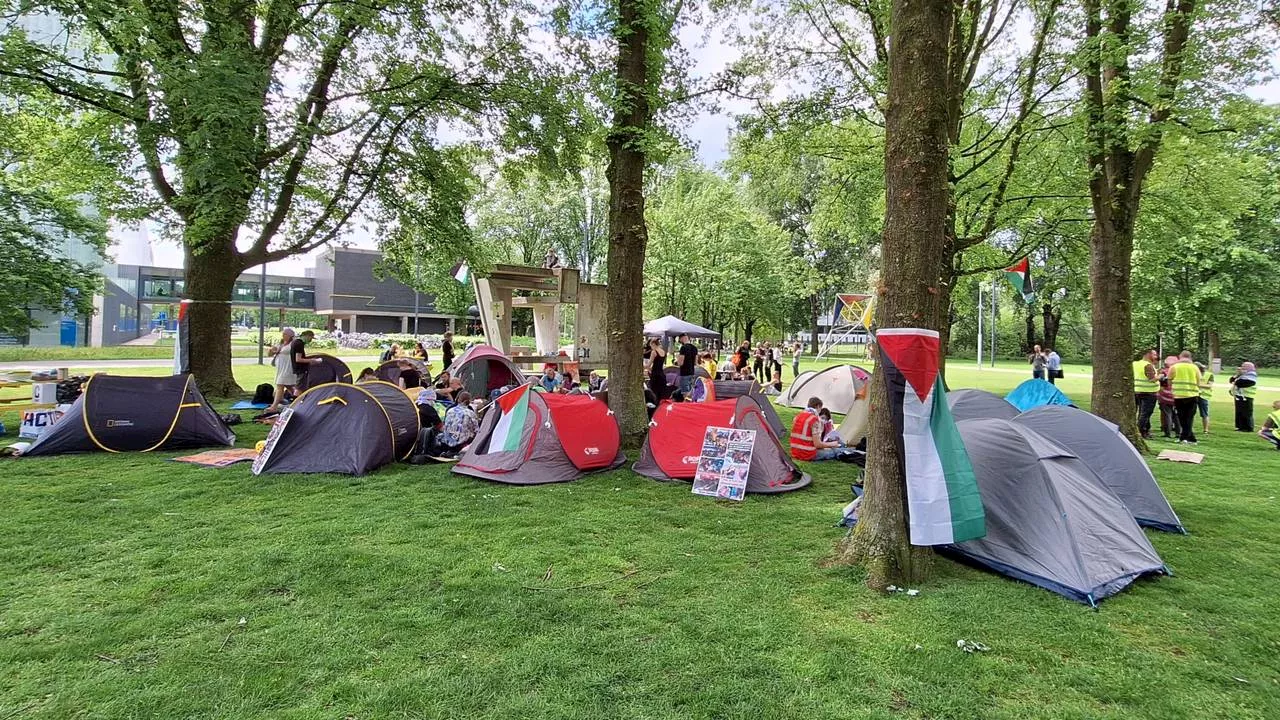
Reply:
x=460, y=272
x=513, y=407
x=943, y=502
x=1019, y=277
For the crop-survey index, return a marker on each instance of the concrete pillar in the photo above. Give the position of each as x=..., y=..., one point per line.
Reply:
x=404, y=324
x=546, y=333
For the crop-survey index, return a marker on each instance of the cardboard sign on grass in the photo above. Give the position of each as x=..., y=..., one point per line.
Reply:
x=1181, y=456
x=724, y=463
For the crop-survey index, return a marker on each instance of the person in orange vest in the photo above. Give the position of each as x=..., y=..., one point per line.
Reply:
x=806, y=437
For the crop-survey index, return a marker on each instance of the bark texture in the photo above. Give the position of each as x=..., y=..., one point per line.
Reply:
x=918, y=196
x=209, y=284
x=628, y=235
x=1120, y=157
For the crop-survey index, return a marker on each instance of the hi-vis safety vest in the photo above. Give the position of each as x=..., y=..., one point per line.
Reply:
x=1184, y=379
x=1274, y=419
x=1140, y=382
x=802, y=447
x=1206, y=385
x=1248, y=392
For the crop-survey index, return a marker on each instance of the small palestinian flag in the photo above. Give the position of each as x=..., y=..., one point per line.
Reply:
x=1019, y=277
x=460, y=272
x=943, y=502
x=513, y=407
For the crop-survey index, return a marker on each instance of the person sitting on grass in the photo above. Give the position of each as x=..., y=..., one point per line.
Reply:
x=428, y=416
x=449, y=393
x=806, y=437
x=1271, y=426
x=549, y=382
x=367, y=375
x=460, y=423
x=829, y=433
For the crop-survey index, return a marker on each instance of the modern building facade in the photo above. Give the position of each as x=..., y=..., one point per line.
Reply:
x=342, y=287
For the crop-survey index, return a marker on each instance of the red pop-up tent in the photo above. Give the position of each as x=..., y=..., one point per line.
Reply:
x=674, y=444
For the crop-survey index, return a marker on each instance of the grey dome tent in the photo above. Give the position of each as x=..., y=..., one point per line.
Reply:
x=562, y=438
x=120, y=413
x=1111, y=456
x=329, y=370
x=1050, y=520
x=974, y=404
x=674, y=443
x=342, y=428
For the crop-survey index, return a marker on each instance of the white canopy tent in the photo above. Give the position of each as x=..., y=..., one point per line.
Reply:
x=672, y=326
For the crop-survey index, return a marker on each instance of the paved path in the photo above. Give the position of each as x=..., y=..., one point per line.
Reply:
x=148, y=363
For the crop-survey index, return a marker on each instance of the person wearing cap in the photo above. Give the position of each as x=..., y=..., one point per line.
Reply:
x=1244, y=388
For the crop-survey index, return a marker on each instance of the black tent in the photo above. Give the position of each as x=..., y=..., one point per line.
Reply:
x=389, y=371
x=119, y=413
x=341, y=428
x=329, y=370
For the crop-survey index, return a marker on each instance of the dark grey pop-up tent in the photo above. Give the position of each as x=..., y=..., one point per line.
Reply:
x=1051, y=521
x=342, y=428
x=483, y=369
x=974, y=404
x=330, y=369
x=1111, y=456
x=119, y=413
x=389, y=371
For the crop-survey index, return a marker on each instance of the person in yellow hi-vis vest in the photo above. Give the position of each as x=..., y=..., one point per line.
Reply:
x=1271, y=426
x=1206, y=394
x=1146, y=383
x=1184, y=381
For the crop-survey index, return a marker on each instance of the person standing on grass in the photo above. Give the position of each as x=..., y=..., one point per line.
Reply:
x=740, y=356
x=658, y=372
x=1053, y=365
x=1037, y=361
x=1146, y=383
x=1271, y=426
x=446, y=351
x=775, y=362
x=688, y=355
x=286, y=378
x=757, y=361
x=1206, y=394
x=1244, y=388
x=1184, y=381
x=796, y=351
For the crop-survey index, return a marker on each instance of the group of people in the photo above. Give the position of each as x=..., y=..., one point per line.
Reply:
x=289, y=357
x=1182, y=388
x=1046, y=364
x=762, y=364
x=814, y=436
x=420, y=352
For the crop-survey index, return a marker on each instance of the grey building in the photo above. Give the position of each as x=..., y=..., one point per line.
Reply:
x=138, y=299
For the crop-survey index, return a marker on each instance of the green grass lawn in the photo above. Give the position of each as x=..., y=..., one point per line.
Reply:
x=405, y=594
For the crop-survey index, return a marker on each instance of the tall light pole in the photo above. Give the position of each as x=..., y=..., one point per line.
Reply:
x=979, y=326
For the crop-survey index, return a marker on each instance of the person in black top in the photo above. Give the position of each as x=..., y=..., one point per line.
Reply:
x=409, y=375
x=298, y=356
x=446, y=350
x=688, y=359
x=658, y=372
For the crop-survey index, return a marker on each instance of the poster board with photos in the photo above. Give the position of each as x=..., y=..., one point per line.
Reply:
x=724, y=463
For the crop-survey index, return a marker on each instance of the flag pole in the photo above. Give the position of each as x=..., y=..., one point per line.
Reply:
x=979, y=325
x=992, y=330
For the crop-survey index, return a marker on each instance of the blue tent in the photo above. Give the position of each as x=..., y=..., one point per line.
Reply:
x=1036, y=392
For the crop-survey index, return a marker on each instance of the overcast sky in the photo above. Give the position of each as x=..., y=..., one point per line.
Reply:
x=709, y=132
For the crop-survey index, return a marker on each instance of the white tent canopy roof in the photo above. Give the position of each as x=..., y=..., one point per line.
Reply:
x=672, y=326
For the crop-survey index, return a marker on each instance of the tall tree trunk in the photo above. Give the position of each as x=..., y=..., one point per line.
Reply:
x=749, y=329
x=209, y=283
x=628, y=235
x=1109, y=266
x=917, y=199
x=1051, y=322
x=1031, y=329
x=1215, y=344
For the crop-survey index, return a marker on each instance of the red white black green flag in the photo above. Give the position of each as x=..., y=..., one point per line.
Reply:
x=1019, y=276
x=943, y=502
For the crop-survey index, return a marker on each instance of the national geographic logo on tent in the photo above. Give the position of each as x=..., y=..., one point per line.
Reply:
x=119, y=423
